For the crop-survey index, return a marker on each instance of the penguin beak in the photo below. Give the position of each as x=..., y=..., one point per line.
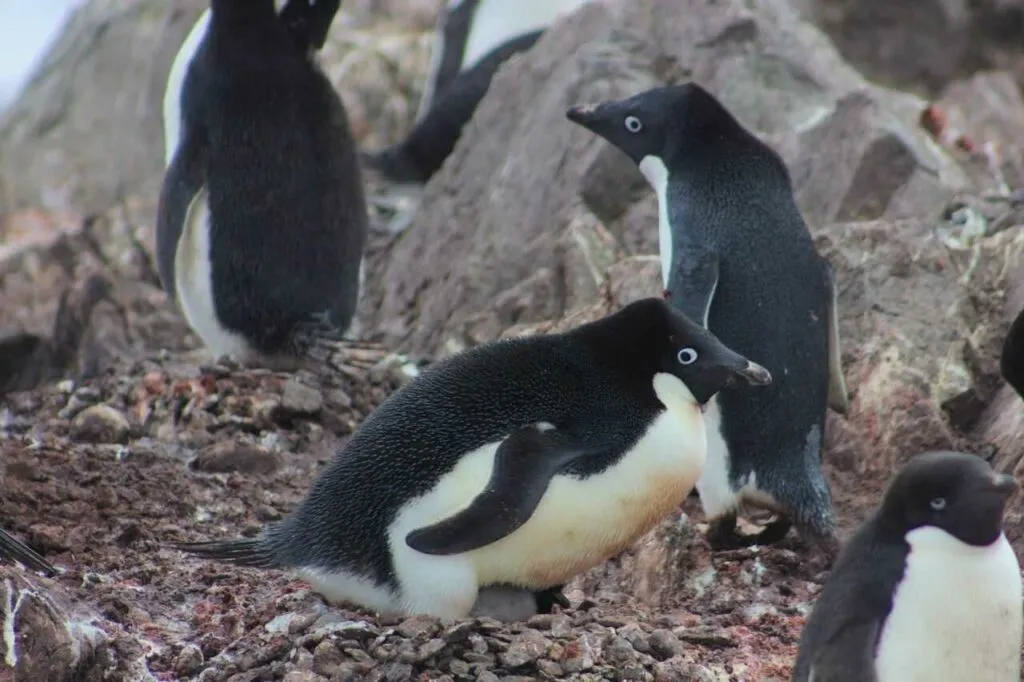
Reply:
x=584, y=114
x=1004, y=484
x=755, y=374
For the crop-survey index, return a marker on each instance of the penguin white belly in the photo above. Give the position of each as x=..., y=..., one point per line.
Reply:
x=716, y=494
x=577, y=524
x=495, y=22
x=956, y=614
x=193, y=283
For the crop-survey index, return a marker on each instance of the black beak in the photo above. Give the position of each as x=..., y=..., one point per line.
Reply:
x=1004, y=484
x=755, y=374
x=583, y=114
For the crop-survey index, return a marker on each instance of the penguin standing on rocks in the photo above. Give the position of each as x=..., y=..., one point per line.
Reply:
x=473, y=39
x=737, y=256
x=12, y=549
x=262, y=219
x=483, y=472
x=928, y=588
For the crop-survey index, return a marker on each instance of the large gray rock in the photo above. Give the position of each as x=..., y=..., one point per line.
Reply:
x=495, y=222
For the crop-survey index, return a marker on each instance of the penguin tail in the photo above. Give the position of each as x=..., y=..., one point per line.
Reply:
x=12, y=549
x=249, y=553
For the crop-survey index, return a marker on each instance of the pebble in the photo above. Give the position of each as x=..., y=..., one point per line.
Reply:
x=301, y=400
x=524, y=648
x=326, y=658
x=232, y=456
x=417, y=626
x=303, y=676
x=664, y=644
x=100, y=424
x=188, y=660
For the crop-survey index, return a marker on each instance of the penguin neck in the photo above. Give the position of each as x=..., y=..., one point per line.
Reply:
x=236, y=13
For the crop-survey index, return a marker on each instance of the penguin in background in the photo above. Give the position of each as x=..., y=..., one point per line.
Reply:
x=473, y=38
x=737, y=256
x=12, y=549
x=481, y=473
x=1011, y=359
x=928, y=588
x=262, y=219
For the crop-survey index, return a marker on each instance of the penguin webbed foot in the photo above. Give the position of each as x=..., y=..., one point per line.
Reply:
x=546, y=599
x=723, y=535
x=348, y=357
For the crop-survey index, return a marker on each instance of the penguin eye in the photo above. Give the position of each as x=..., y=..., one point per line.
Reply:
x=687, y=356
x=938, y=503
x=633, y=124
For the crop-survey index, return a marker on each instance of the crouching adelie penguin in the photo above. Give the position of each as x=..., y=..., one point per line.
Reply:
x=262, y=220
x=473, y=39
x=737, y=256
x=927, y=589
x=483, y=471
x=12, y=549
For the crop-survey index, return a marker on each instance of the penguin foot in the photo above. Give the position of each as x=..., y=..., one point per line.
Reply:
x=546, y=599
x=351, y=358
x=722, y=533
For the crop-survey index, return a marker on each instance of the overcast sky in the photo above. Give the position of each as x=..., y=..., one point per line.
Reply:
x=26, y=29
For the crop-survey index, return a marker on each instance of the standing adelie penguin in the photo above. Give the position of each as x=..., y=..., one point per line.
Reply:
x=262, y=218
x=927, y=589
x=473, y=39
x=737, y=256
x=1011, y=360
x=12, y=549
x=518, y=463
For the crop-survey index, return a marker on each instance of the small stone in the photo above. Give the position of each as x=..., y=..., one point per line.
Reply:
x=351, y=671
x=299, y=399
x=664, y=644
x=326, y=658
x=561, y=626
x=524, y=648
x=459, y=632
x=431, y=648
x=417, y=626
x=487, y=676
x=680, y=670
x=619, y=651
x=517, y=678
x=396, y=672
x=231, y=456
x=705, y=636
x=458, y=667
x=549, y=668
x=303, y=676
x=188, y=660
x=100, y=424
x=634, y=672
x=613, y=621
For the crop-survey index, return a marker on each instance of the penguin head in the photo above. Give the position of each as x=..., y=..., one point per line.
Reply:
x=953, y=491
x=308, y=21
x=653, y=126
x=652, y=335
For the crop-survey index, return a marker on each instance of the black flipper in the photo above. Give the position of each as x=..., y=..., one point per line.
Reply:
x=251, y=553
x=693, y=280
x=838, y=396
x=847, y=657
x=524, y=465
x=12, y=549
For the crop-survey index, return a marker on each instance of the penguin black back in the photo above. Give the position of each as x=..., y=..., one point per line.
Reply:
x=954, y=492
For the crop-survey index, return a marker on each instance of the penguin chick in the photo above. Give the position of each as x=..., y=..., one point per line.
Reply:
x=262, y=219
x=737, y=256
x=928, y=588
x=473, y=38
x=12, y=549
x=483, y=470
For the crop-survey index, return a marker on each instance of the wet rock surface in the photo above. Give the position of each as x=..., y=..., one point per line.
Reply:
x=119, y=435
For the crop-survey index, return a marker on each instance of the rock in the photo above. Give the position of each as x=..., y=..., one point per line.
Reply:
x=231, y=456
x=664, y=644
x=100, y=424
x=326, y=658
x=302, y=676
x=417, y=627
x=189, y=660
x=524, y=648
x=855, y=151
x=301, y=400
x=680, y=670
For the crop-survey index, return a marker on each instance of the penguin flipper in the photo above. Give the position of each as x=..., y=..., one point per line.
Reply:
x=838, y=397
x=693, y=281
x=524, y=465
x=13, y=550
x=848, y=656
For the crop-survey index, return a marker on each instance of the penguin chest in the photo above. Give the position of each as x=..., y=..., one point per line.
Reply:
x=193, y=283
x=580, y=522
x=956, y=614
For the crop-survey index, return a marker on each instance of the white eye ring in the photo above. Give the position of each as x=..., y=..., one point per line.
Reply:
x=938, y=503
x=633, y=124
x=687, y=356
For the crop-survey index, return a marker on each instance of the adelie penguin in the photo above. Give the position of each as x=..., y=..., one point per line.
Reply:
x=737, y=256
x=262, y=219
x=927, y=589
x=473, y=39
x=512, y=466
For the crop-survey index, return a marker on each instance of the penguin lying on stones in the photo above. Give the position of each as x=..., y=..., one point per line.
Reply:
x=12, y=549
x=927, y=589
x=737, y=256
x=473, y=39
x=483, y=470
x=262, y=219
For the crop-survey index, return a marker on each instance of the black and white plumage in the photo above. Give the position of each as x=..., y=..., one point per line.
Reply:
x=484, y=470
x=928, y=588
x=12, y=549
x=262, y=218
x=736, y=255
x=473, y=39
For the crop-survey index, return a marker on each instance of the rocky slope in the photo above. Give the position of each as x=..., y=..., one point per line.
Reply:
x=118, y=435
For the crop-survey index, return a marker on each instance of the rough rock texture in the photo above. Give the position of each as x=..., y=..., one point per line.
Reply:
x=134, y=438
